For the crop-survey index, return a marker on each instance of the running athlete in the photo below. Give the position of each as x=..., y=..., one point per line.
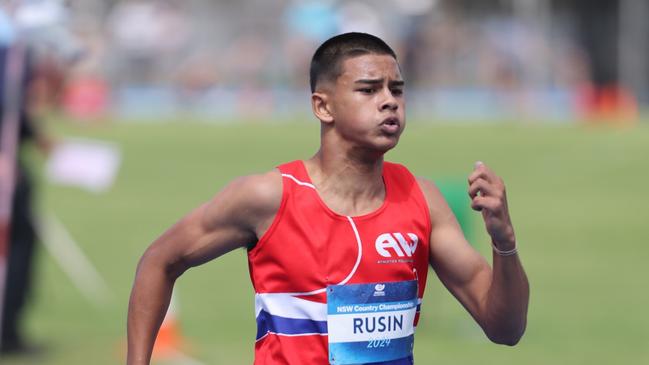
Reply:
x=339, y=244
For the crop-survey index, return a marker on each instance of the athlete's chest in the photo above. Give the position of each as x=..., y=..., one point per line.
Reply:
x=311, y=246
x=386, y=247
x=345, y=206
x=312, y=249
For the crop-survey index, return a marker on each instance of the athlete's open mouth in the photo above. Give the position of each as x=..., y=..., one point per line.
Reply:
x=391, y=125
x=391, y=121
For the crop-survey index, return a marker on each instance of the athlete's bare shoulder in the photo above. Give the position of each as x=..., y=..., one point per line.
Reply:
x=232, y=219
x=436, y=202
x=250, y=202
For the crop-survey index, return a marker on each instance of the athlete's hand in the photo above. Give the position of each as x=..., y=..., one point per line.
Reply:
x=487, y=192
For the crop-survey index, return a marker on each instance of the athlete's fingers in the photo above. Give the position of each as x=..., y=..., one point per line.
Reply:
x=481, y=203
x=480, y=171
x=482, y=187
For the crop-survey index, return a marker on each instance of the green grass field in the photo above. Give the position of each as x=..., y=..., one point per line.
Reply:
x=578, y=196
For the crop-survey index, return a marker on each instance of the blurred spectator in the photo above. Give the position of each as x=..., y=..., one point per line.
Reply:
x=22, y=235
x=34, y=29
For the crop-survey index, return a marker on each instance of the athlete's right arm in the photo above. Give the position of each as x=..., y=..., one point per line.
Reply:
x=234, y=218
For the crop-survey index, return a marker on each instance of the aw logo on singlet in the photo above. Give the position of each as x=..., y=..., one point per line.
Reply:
x=392, y=245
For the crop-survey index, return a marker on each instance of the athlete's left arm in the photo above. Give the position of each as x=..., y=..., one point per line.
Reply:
x=496, y=298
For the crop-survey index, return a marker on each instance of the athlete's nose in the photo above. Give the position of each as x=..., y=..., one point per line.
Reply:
x=389, y=101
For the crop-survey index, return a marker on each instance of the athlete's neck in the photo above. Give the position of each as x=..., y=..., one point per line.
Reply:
x=349, y=183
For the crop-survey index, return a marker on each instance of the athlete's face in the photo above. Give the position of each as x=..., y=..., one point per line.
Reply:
x=366, y=103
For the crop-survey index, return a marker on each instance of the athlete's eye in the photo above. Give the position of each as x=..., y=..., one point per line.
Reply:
x=397, y=92
x=366, y=90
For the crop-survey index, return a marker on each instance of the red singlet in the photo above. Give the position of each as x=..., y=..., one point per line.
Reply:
x=308, y=247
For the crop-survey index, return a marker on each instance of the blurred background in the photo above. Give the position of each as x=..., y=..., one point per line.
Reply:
x=144, y=109
x=543, y=59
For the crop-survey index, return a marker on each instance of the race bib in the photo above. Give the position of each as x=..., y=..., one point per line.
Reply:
x=370, y=323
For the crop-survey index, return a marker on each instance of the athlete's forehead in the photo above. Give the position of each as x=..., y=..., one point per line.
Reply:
x=370, y=68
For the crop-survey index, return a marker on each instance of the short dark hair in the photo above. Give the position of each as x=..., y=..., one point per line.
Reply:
x=326, y=61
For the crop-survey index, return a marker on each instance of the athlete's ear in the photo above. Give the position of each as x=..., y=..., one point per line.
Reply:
x=320, y=106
